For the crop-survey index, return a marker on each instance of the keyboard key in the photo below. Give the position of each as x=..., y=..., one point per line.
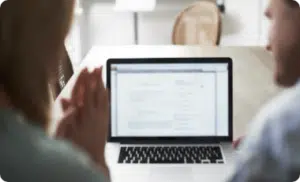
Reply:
x=220, y=161
x=143, y=161
x=213, y=161
x=197, y=161
x=205, y=161
x=189, y=161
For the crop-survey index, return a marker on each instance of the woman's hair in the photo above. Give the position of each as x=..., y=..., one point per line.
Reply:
x=293, y=2
x=32, y=34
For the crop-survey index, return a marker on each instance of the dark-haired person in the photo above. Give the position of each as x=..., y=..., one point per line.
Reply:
x=32, y=34
x=271, y=150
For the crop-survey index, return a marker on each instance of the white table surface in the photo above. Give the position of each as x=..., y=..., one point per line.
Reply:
x=252, y=74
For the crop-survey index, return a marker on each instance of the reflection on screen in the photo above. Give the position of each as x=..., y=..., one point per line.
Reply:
x=169, y=100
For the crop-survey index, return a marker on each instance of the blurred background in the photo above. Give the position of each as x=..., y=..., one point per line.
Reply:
x=99, y=22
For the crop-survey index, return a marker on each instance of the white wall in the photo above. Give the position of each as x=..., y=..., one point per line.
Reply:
x=243, y=24
x=264, y=24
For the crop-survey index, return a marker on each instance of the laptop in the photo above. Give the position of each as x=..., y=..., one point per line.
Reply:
x=171, y=119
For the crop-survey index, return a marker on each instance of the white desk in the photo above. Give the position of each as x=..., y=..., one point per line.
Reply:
x=253, y=86
x=252, y=69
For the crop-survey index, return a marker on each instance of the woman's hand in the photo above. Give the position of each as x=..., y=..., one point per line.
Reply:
x=85, y=122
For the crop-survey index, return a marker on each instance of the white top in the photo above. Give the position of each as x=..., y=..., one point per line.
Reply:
x=271, y=151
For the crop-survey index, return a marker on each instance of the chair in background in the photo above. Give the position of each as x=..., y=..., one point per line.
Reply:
x=65, y=72
x=198, y=24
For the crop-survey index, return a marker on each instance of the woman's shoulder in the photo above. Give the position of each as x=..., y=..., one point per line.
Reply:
x=27, y=153
x=65, y=161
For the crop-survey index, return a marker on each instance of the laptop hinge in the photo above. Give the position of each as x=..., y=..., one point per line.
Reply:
x=169, y=142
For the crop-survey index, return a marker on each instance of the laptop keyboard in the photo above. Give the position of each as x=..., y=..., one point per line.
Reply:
x=171, y=155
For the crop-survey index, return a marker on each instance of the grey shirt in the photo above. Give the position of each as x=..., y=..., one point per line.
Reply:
x=28, y=154
x=271, y=150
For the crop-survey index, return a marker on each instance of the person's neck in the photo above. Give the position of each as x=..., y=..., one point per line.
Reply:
x=4, y=99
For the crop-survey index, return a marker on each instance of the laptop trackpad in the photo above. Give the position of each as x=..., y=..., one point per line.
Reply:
x=171, y=174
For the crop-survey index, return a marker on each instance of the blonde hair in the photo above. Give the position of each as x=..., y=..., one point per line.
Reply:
x=32, y=34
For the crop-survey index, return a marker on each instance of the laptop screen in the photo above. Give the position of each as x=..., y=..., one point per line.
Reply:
x=169, y=100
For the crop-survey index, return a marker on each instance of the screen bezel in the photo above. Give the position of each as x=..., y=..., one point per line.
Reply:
x=171, y=139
